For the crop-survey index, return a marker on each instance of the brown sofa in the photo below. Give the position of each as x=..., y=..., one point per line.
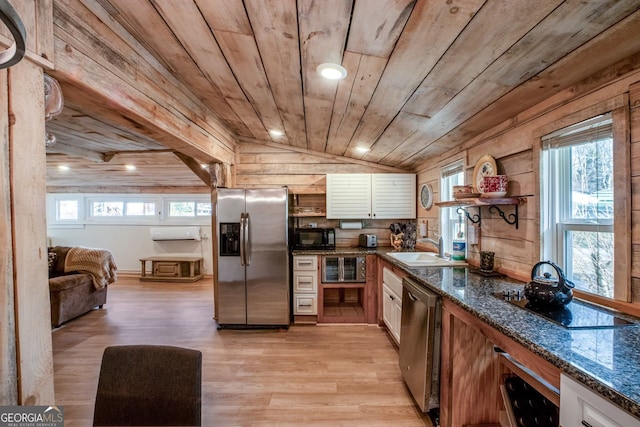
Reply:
x=72, y=293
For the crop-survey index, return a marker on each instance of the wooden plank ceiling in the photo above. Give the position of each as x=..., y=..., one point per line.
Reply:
x=423, y=76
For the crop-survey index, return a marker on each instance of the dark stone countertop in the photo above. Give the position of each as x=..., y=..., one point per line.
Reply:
x=605, y=360
x=341, y=251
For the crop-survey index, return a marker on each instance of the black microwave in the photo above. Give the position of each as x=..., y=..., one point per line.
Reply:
x=314, y=238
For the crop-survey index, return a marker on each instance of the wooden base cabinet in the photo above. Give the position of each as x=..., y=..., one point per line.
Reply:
x=472, y=370
x=305, y=289
x=392, y=303
x=342, y=303
x=349, y=302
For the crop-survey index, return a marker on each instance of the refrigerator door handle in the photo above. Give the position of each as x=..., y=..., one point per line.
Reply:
x=242, y=238
x=247, y=240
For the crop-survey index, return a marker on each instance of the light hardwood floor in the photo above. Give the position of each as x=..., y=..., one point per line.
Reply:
x=328, y=375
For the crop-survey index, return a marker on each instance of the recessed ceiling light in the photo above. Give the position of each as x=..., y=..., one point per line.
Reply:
x=276, y=132
x=332, y=71
x=130, y=167
x=363, y=149
x=63, y=168
x=204, y=165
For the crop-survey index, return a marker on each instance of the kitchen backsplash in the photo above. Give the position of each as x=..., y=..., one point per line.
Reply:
x=408, y=231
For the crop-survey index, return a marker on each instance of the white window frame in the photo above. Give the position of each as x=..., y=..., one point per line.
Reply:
x=144, y=201
x=186, y=199
x=53, y=206
x=85, y=202
x=448, y=221
x=561, y=215
x=621, y=224
x=124, y=218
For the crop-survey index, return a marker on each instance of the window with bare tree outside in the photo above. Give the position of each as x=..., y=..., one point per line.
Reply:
x=578, y=203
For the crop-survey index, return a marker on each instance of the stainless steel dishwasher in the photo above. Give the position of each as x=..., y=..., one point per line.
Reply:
x=420, y=344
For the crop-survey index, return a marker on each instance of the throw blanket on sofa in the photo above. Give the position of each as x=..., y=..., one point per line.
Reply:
x=99, y=263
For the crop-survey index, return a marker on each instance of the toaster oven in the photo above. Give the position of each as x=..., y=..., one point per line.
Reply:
x=336, y=269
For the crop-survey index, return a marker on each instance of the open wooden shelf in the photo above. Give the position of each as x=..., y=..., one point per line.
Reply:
x=483, y=201
x=344, y=311
x=342, y=303
x=308, y=214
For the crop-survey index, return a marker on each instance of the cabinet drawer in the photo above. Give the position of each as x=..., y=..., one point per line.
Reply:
x=306, y=262
x=305, y=304
x=305, y=281
x=393, y=281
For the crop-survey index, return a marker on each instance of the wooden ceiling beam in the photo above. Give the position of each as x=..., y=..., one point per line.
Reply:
x=196, y=168
x=73, y=151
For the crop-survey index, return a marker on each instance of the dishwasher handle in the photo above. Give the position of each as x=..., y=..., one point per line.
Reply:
x=412, y=296
x=418, y=292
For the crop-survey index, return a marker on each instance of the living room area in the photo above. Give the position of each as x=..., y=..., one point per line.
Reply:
x=94, y=238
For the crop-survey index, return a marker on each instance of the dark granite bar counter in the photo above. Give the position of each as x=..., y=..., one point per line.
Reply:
x=605, y=360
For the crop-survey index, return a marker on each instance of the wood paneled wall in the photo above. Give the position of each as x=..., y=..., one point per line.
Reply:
x=303, y=171
x=515, y=144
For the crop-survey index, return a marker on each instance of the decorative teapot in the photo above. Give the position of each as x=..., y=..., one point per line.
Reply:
x=548, y=291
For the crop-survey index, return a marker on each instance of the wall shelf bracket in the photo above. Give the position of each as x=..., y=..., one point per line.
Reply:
x=511, y=219
x=493, y=204
x=473, y=218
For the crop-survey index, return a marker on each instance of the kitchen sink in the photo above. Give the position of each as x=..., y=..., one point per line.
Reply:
x=424, y=259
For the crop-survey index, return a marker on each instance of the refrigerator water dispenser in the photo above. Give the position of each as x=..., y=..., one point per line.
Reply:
x=230, y=239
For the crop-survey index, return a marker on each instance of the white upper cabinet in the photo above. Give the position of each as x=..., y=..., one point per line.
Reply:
x=349, y=196
x=393, y=196
x=374, y=196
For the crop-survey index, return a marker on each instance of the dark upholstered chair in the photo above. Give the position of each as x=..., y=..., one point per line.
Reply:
x=149, y=385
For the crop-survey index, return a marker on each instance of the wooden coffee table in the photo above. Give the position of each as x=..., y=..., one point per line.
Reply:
x=172, y=268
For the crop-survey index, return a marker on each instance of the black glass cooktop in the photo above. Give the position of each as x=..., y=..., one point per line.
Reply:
x=575, y=315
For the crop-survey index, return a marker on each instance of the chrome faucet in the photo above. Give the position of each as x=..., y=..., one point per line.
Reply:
x=437, y=244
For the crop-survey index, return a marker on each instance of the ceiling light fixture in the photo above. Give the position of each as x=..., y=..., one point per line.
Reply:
x=130, y=167
x=276, y=132
x=363, y=149
x=332, y=71
x=63, y=168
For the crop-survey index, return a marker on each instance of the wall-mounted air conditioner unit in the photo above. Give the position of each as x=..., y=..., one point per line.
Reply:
x=175, y=233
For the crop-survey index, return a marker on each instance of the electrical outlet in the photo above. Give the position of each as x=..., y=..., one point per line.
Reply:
x=366, y=223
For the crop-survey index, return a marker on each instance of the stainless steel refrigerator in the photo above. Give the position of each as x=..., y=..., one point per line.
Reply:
x=252, y=271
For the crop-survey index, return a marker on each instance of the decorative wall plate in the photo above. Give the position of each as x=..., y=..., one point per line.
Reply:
x=426, y=196
x=486, y=165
